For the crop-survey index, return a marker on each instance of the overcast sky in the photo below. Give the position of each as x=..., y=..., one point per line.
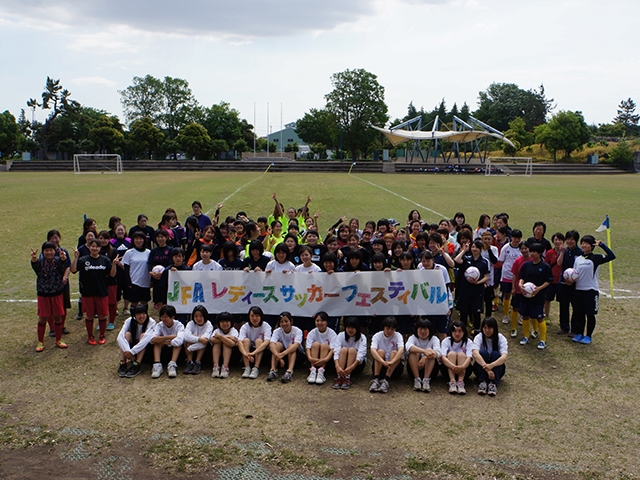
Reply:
x=284, y=52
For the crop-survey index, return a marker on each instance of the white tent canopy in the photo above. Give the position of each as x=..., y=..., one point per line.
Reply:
x=398, y=136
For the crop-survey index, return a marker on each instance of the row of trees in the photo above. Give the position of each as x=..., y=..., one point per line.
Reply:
x=164, y=118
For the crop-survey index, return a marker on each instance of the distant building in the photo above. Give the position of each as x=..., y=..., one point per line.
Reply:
x=287, y=134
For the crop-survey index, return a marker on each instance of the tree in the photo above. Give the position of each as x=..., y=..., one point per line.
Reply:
x=194, y=140
x=107, y=134
x=56, y=99
x=504, y=102
x=9, y=135
x=518, y=134
x=143, y=98
x=218, y=146
x=627, y=117
x=241, y=145
x=179, y=105
x=223, y=122
x=621, y=155
x=565, y=131
x=610, y=130
x=144, y=137
x=357, y=101
x=319, y=126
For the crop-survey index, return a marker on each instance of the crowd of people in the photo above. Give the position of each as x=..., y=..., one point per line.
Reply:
x=487, y=267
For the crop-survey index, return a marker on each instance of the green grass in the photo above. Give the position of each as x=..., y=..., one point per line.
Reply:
x=570, y=408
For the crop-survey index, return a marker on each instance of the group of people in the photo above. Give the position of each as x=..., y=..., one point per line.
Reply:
x=481, y=265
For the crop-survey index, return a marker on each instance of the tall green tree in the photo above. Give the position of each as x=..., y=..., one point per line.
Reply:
x=223, y=123
x=143, y=98
x=194, y=140
x=107, y=134
x=9, y=135
x=357, y=101
x=518, y=135
x=319, y=126
x=627, y=117
x=565, y=131
x=144, y=137
x=56, y=99
x=504, y=102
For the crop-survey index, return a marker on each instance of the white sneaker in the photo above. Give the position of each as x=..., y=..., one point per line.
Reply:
x=224, y=372
x=519, y=319
x=320, y=378
x=246, y=372
x=417, y=384
x=426, y=384
x=312, y=375
x=506, y=320
x=172, y=369
x=453, y=387
x=461, y=389
x=157, y=370
x=255, y=371
x=216, y=372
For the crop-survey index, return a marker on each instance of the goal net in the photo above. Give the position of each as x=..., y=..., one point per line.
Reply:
x=519, y=166
x=97, y=163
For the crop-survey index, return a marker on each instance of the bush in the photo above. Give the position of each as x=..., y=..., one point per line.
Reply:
x=621, y=155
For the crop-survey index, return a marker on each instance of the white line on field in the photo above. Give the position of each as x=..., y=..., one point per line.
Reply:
x=237, y=190
x=399, y=196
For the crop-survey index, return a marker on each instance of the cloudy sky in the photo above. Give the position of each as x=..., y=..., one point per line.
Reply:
x=284, y=52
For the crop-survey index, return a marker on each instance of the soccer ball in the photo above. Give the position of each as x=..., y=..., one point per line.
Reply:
x=472, y=273
x=527, y=289
x=158, y=269
x=570, y=274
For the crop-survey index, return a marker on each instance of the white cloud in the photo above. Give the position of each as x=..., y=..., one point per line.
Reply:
x=96, y=81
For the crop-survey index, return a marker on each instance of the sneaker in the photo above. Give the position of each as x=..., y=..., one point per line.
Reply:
x=426, y=384
x=65, y=331
x=482, y=388
x=460, y=388
x=320, y=378
x=79, y=316
x=417, y=384
x=188, y=368
x=524, y=341
x=134, y=371
x=224, y=372
x=337, y=383
x=101, y=340
x=197, y=367
x=157, y=370
x=578, y=338
x=126, y=312
x=562, y=332
x=255, y=371
x=495, y=308
x=547, y=320
x=91, y=340
x=246, y=372
x=571, y=334
x=586, y=340
x=453, y=387
x=542, y=345
x=493, y=390
x=272, y=375
x=375, y=385
x=122, y=370
x=110, y=326
x=313, y=373
x=52, y=334
x=216, y=372
x=514, y=333
x=384, y=386
x=506, y=320
x=287, y=377
x=533, y=334
x=40, y=347
x=519, y=319
x=172, y=370
x=60, y=344
x=346, y=383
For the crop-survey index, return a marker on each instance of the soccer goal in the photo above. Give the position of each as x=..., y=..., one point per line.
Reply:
x=518, y=166
x=97, y=163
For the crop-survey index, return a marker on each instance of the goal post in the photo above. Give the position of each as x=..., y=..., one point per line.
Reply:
x=517, y=166
x=97, y=163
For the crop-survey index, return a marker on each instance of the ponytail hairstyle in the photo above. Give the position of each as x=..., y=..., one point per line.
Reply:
x=133, y=323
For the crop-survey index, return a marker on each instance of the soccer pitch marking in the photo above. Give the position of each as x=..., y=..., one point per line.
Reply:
x=236, y=191
x=398, y=195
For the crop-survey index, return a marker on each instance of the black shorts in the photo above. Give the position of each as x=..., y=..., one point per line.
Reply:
x=506, y=287
x=531, y=310
x=470, y=304
x=139, y=294
x=550, y=292
x=516, y=301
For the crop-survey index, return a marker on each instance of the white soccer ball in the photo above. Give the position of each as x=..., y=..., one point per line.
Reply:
x=158, y=269
x=527, y=289
x=570, y=274
x=472, y=273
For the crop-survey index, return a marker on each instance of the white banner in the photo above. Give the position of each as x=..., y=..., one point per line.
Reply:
x=410, y=292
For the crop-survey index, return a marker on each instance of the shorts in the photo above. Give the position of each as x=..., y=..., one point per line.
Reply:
x=440, y=322
x=470, y=304
x=550, y=292
x=113, y=295
x=587, y=301
x=51, y=306
x=506, y=287
x=531, y=310
x=93, y=306
x=139, y=294
x=406, y=324
x=516, y=301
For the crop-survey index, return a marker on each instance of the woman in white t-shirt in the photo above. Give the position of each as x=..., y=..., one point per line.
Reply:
x=422, y=352
x=456, y=354
x=253, y=340
x=318, y=348
x=223, y=340
x=387, y=347
x=349, y=353
x=136, y=264
x=307, y=266
x=280, y=263
x=196, y=338
x=133, y=339
x=490, y=351
x=285, y=345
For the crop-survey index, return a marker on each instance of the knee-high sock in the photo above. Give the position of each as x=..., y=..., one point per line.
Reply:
x=543, y=330
x=41, y=329
x=88, y=323
x=514, y=320
x=525, y=327
x=58, y=330
x=507, y=305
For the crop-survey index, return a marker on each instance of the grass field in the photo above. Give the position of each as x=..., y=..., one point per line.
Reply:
x=566, y=412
